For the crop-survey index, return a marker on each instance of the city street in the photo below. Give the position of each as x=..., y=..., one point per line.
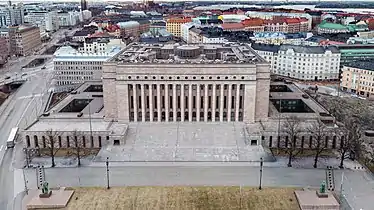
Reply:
x=20, y=110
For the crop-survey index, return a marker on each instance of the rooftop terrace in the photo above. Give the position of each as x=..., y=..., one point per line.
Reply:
x=175, y=53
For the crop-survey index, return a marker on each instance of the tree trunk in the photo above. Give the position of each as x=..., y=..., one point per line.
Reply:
x=53, y=160
x=289, y=159
x=342, y=160
x=79, y=158
x=315, y=160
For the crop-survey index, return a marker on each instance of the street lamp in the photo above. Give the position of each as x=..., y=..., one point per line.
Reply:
x=261, y=166
x=107, y=172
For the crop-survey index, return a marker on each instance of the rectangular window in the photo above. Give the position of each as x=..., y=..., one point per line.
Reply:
x=209, y=102
x=171, y=102
x=132, y=102
x=147, y=101
x=179, y=102
x=232, y=102
x=186, y=102
x=224, y=102
x=155, y=102
x=201, y=102
x=194, y=102
x=67, y=141
x=163, y=102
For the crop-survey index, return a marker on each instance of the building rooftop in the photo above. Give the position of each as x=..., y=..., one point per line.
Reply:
x=68, y=53
x=195, y=53
x=366, y=65
x=266, y=47
x=309, y=49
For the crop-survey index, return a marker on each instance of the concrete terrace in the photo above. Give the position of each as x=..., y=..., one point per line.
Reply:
x=185, y=142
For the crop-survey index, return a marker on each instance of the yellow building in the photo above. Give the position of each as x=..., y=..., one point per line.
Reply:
x=173, y=25
x=358, y=78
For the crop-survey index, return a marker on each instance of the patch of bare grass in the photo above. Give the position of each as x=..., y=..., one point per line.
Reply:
x=183, y=198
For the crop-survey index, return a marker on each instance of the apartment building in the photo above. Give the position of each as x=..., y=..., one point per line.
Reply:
x=72, y=68
x=358, y=78
x=313, y=63
x=12, y=15
x=46, y=21
x=173, y=25
x=4, y=53
x=99, y=45
x=24, y=40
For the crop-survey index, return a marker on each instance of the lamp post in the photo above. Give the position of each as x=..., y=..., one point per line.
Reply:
x=279, y=118
x=261, y=166
x=107, y=172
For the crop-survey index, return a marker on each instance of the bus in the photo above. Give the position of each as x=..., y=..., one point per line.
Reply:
x=12, y=137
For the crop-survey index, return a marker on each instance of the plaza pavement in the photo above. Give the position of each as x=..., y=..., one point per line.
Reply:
x=185, y=142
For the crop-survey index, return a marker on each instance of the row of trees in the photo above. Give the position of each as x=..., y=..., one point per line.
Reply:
x=53, y=144
x=348, y=134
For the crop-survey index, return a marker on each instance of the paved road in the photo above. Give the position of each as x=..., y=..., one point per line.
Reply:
x=179, y=175
x=6, y=182
x=22, y=109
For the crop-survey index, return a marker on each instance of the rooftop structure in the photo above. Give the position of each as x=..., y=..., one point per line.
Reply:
x=175, y=53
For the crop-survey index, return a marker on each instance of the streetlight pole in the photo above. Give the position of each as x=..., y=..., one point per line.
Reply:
x=261, y=167
x=25, y=181
x=279, y=118
x=107, y=172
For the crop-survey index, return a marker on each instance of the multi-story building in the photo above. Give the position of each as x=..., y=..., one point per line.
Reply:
x=279, y=38
x=12, y=15
x=130, y=29
x=351, y=53
x=72, y=68
x=4, y=33
x=358, y=78
x=269, y=52
x=185, y=30
x=204, y=83
x=308, y=62
x=4, y=53
x=302, y=62
x=99, y=45
x=173, y=25
x=66, y=19
x=46, y=21
x=24, y=39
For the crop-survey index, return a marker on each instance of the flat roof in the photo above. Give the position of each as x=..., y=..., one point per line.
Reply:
x=365, y=65
x=191, y=53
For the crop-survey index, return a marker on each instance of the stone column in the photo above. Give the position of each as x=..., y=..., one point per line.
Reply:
x=174, y=102
x=190, y=102
x=198, y=102
x=229, y=103
x=214, y=103
x=158, y=102
x=151, y=102
x=182, y=103
x=143, y=103
x=206, y=103
x=135, y=96
x=237, y=102
x=221, y=103
x=166, y=102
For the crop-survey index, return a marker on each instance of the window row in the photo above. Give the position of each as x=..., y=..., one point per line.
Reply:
x=64, y=141
x=186, y=77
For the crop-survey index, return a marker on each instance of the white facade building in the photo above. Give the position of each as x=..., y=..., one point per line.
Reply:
x=100, y=45
x=12, y=15
x=46, y=21
x=302, y=62
x=72, y=68
x=85, y=15
x=67, y=19
x=185, y=30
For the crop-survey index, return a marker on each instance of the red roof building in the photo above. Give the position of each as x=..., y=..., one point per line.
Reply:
x=232, y=26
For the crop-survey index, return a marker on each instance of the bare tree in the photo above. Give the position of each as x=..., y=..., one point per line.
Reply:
x=52, y=143
x=318, y=131
x=351, y=140
x=79, y=143
x=291, y=129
